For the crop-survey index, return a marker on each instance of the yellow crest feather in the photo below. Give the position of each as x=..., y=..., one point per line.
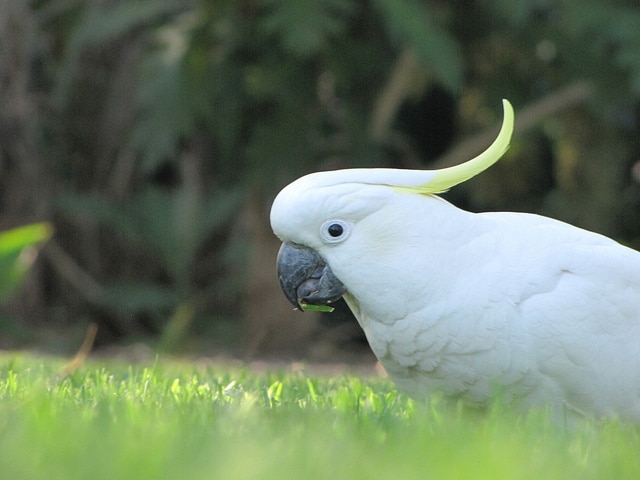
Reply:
x=446, y=178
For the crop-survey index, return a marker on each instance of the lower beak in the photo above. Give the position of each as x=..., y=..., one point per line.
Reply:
x=305, y=278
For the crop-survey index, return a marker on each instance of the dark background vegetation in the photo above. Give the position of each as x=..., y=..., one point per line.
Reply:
x=154, y=135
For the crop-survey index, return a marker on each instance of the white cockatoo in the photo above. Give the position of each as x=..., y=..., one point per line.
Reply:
x=522, y=306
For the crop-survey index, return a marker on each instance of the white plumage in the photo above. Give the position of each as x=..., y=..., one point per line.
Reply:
x=472, y=305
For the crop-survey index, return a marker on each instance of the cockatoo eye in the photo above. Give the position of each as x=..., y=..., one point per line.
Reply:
x=335, y=231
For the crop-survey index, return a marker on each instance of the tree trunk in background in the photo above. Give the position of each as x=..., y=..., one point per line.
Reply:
x=25, y=184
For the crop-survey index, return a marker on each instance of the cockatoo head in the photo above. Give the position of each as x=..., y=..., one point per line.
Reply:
x=331, y=222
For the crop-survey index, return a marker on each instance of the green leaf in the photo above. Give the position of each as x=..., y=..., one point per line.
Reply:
x=14, y=241
x=97, y=209
x=166, y=111
x=516, y=12
x=170, y=224
x=282, y=142
x=18, y=249
x=101, y=22
x=316, y=308
x=411, y=24
x=306, y=26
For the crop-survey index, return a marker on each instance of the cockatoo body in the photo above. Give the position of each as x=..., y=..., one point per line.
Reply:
x=531, y=309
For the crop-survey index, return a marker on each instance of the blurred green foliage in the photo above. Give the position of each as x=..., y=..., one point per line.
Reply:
x=154, y=125
x=18, y=250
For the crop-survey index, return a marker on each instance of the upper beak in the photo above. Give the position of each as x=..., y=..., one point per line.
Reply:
x=305, y=278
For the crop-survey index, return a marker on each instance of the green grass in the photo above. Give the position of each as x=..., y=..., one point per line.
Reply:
x=178, y=421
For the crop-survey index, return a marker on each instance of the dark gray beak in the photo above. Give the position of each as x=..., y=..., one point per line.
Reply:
x=305, y=278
